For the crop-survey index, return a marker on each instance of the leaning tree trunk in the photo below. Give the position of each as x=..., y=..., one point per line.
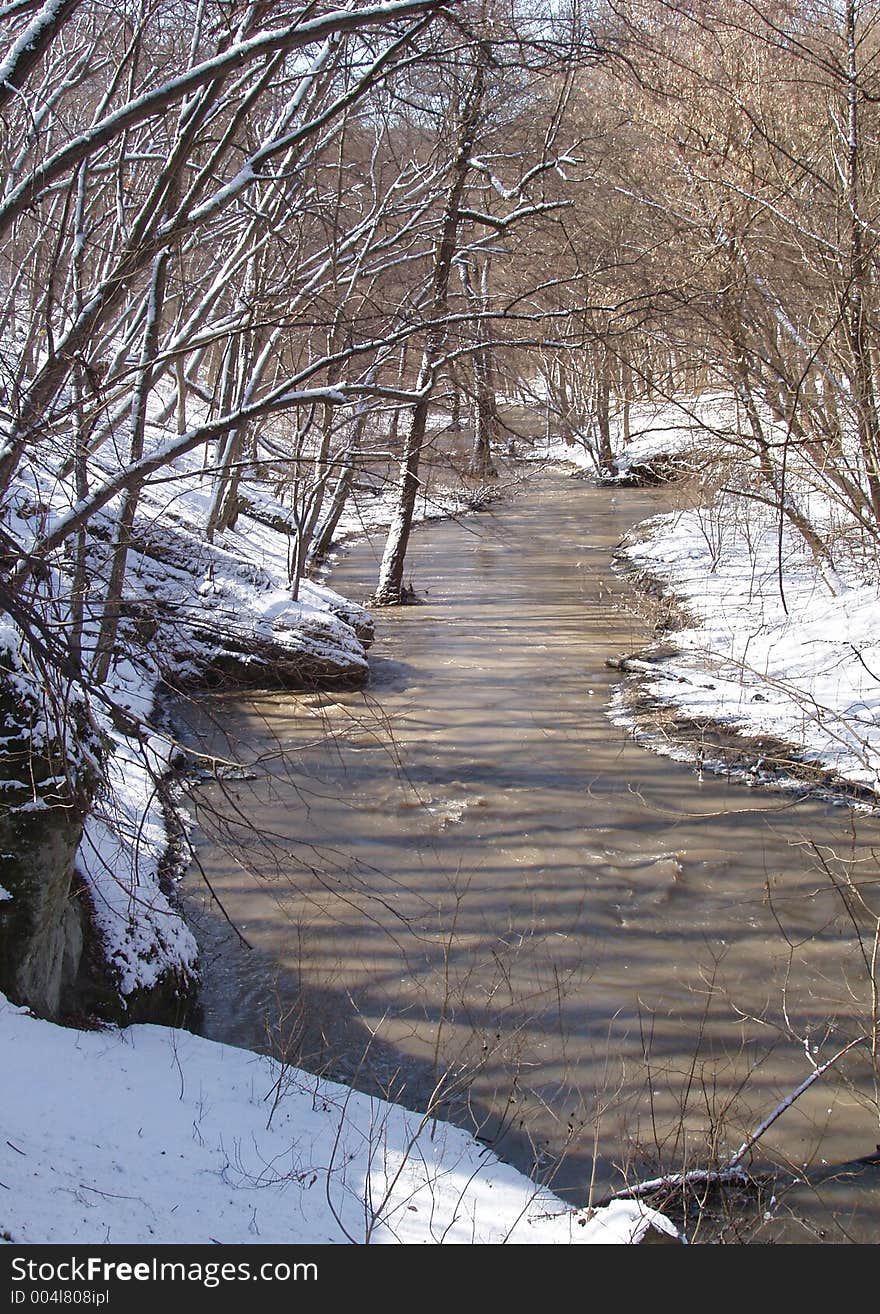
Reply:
x=855, y=312
x=390, y=590
x=603, y=413
x=485, y=422
x=149, y=353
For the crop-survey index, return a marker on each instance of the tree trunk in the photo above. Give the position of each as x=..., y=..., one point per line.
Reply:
x=854, y=309
x=322, y=540
x=485, y=405
x=390, y=589
x=603, y=416
x=149, y=351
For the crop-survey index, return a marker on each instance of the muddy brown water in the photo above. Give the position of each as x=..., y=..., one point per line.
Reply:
x=466, y=888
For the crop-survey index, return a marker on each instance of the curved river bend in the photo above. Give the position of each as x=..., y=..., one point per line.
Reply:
x=465, y=884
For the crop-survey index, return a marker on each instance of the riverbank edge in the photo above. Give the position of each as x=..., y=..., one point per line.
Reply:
x=707, y=743
x=240, y=628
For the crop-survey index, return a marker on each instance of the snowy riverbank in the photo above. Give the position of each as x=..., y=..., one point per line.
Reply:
x=163, y=1137
x=194, y=613
x=769, y=644
x=769, y=649
x=188, y=1140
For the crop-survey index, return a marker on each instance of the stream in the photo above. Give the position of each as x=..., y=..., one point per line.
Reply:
x=466, y=889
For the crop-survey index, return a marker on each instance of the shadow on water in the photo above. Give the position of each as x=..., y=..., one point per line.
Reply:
x=466, y=885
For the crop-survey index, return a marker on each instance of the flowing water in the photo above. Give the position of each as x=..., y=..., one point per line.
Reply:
x=466, y=888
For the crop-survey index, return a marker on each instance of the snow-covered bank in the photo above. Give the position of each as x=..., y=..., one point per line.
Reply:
x=772, y=644
x=164, y=1137
x=773, y=649
x=665, y=440
x=212, y=611
x=193, y=611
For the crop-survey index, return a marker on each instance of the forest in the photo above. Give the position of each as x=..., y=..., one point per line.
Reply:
x=279, y=244
x=404, y=203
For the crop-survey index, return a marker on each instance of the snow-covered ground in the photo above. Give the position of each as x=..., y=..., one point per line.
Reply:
x=658, y=431
x=164, y=1136
x=194, y=596
x=160, y=1136
x=778, y=645
x=773, y=652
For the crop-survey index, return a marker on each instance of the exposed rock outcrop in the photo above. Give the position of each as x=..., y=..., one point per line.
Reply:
x=49, y=772
x=211, y=617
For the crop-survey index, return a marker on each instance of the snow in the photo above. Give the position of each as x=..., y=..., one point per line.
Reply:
x=185, y=591
x=687, y=430
x=183, y=1140
x=578, y=453
x=174, y=90
x=190, y=590
x=188, y=1140
x=165, y=1137
x=123, y=845
x=681, y=430
x=789, y=657
x=30, y=38
x=774, y=643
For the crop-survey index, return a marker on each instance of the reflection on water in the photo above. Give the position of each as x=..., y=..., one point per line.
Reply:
x=464, y=884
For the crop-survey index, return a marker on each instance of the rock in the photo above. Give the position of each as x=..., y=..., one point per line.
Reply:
x=310, y=653
x=47, y=786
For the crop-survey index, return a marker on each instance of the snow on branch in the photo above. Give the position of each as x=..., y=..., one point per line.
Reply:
x=502, y=224
x=293, y=36
x=30, y=46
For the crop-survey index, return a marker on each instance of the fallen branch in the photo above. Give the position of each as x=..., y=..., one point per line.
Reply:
x=641, y=666
x=790, y=1099
x=732, y=1170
